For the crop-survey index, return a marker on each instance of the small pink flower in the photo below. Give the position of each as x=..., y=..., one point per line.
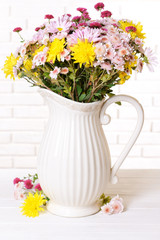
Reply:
x=107, y=66
x=106, y=14
x=95, y=25
x=53, y=74
x=123, y=52
x=38, y=187
x=130, y=29
x=64, y=54
x=99, y=6
x=17, y=29
x=138, y=41
x=107, y=209
x=64, y=70
x=81, y=9
x=48, y=16
x=28, y=184
x=17, y=180
x=68, y=58
x=117, y=206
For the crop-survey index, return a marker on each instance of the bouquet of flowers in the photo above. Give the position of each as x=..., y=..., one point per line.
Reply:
x=80, y=58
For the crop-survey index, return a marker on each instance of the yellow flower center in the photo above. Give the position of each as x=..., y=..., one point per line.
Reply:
x=60, y=29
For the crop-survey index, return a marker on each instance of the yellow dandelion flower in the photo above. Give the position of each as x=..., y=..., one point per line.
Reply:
x=135, y=30
x=55, y=49
x=123, y=77
x=83, y=52
x=10, y=62
x=32, y=205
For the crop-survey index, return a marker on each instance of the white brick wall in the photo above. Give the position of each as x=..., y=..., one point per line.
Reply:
x=23, y=114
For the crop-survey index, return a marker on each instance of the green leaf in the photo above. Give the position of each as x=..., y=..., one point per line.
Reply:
x=81, y=98
x=72, y=76
x=79, y=90
x=97, y=94
x=118, y=103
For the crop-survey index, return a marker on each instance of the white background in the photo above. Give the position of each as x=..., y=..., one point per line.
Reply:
x=23, y=114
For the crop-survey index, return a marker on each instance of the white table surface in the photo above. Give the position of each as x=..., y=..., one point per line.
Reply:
x=140, y=190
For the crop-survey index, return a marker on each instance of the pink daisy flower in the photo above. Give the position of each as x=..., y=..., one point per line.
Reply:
x=152, y=60
x=107, y=209
x=64, y=70
x=53, y=74
x=100, y=49
x=117, y=206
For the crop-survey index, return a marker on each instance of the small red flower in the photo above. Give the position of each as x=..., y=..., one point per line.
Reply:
x=48, y=16
x=76, y=19
x=82, y=10
x=38, y=187
x=130, y=29
x=106, y=14
x=82, y=24
x=99, y=6
x=37, y=29
x=17, y=180
x=28, y=184
x=86, y=16
x=17, y=29
x=95, y=25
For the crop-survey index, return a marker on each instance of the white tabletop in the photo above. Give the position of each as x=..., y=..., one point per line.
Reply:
x=140, y=190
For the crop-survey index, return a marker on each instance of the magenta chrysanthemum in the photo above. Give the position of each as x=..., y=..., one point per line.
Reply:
x=17, y=29
x=48, y=16
x=38, y=187
x=99, y=6
x=106, y=14
x=95, y=25
x=28, y=184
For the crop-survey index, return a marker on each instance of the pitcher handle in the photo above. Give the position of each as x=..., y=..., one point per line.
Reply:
x=105, y=119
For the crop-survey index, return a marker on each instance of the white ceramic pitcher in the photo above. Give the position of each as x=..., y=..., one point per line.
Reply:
x=74, y=164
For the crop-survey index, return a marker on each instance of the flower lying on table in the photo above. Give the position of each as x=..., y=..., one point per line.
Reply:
x=29, y=190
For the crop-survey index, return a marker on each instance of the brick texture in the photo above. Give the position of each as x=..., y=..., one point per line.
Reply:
x=23, y=113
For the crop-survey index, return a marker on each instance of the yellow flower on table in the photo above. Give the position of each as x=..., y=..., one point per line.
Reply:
x=10, y=62
x=83, y=52
x=33, y=205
